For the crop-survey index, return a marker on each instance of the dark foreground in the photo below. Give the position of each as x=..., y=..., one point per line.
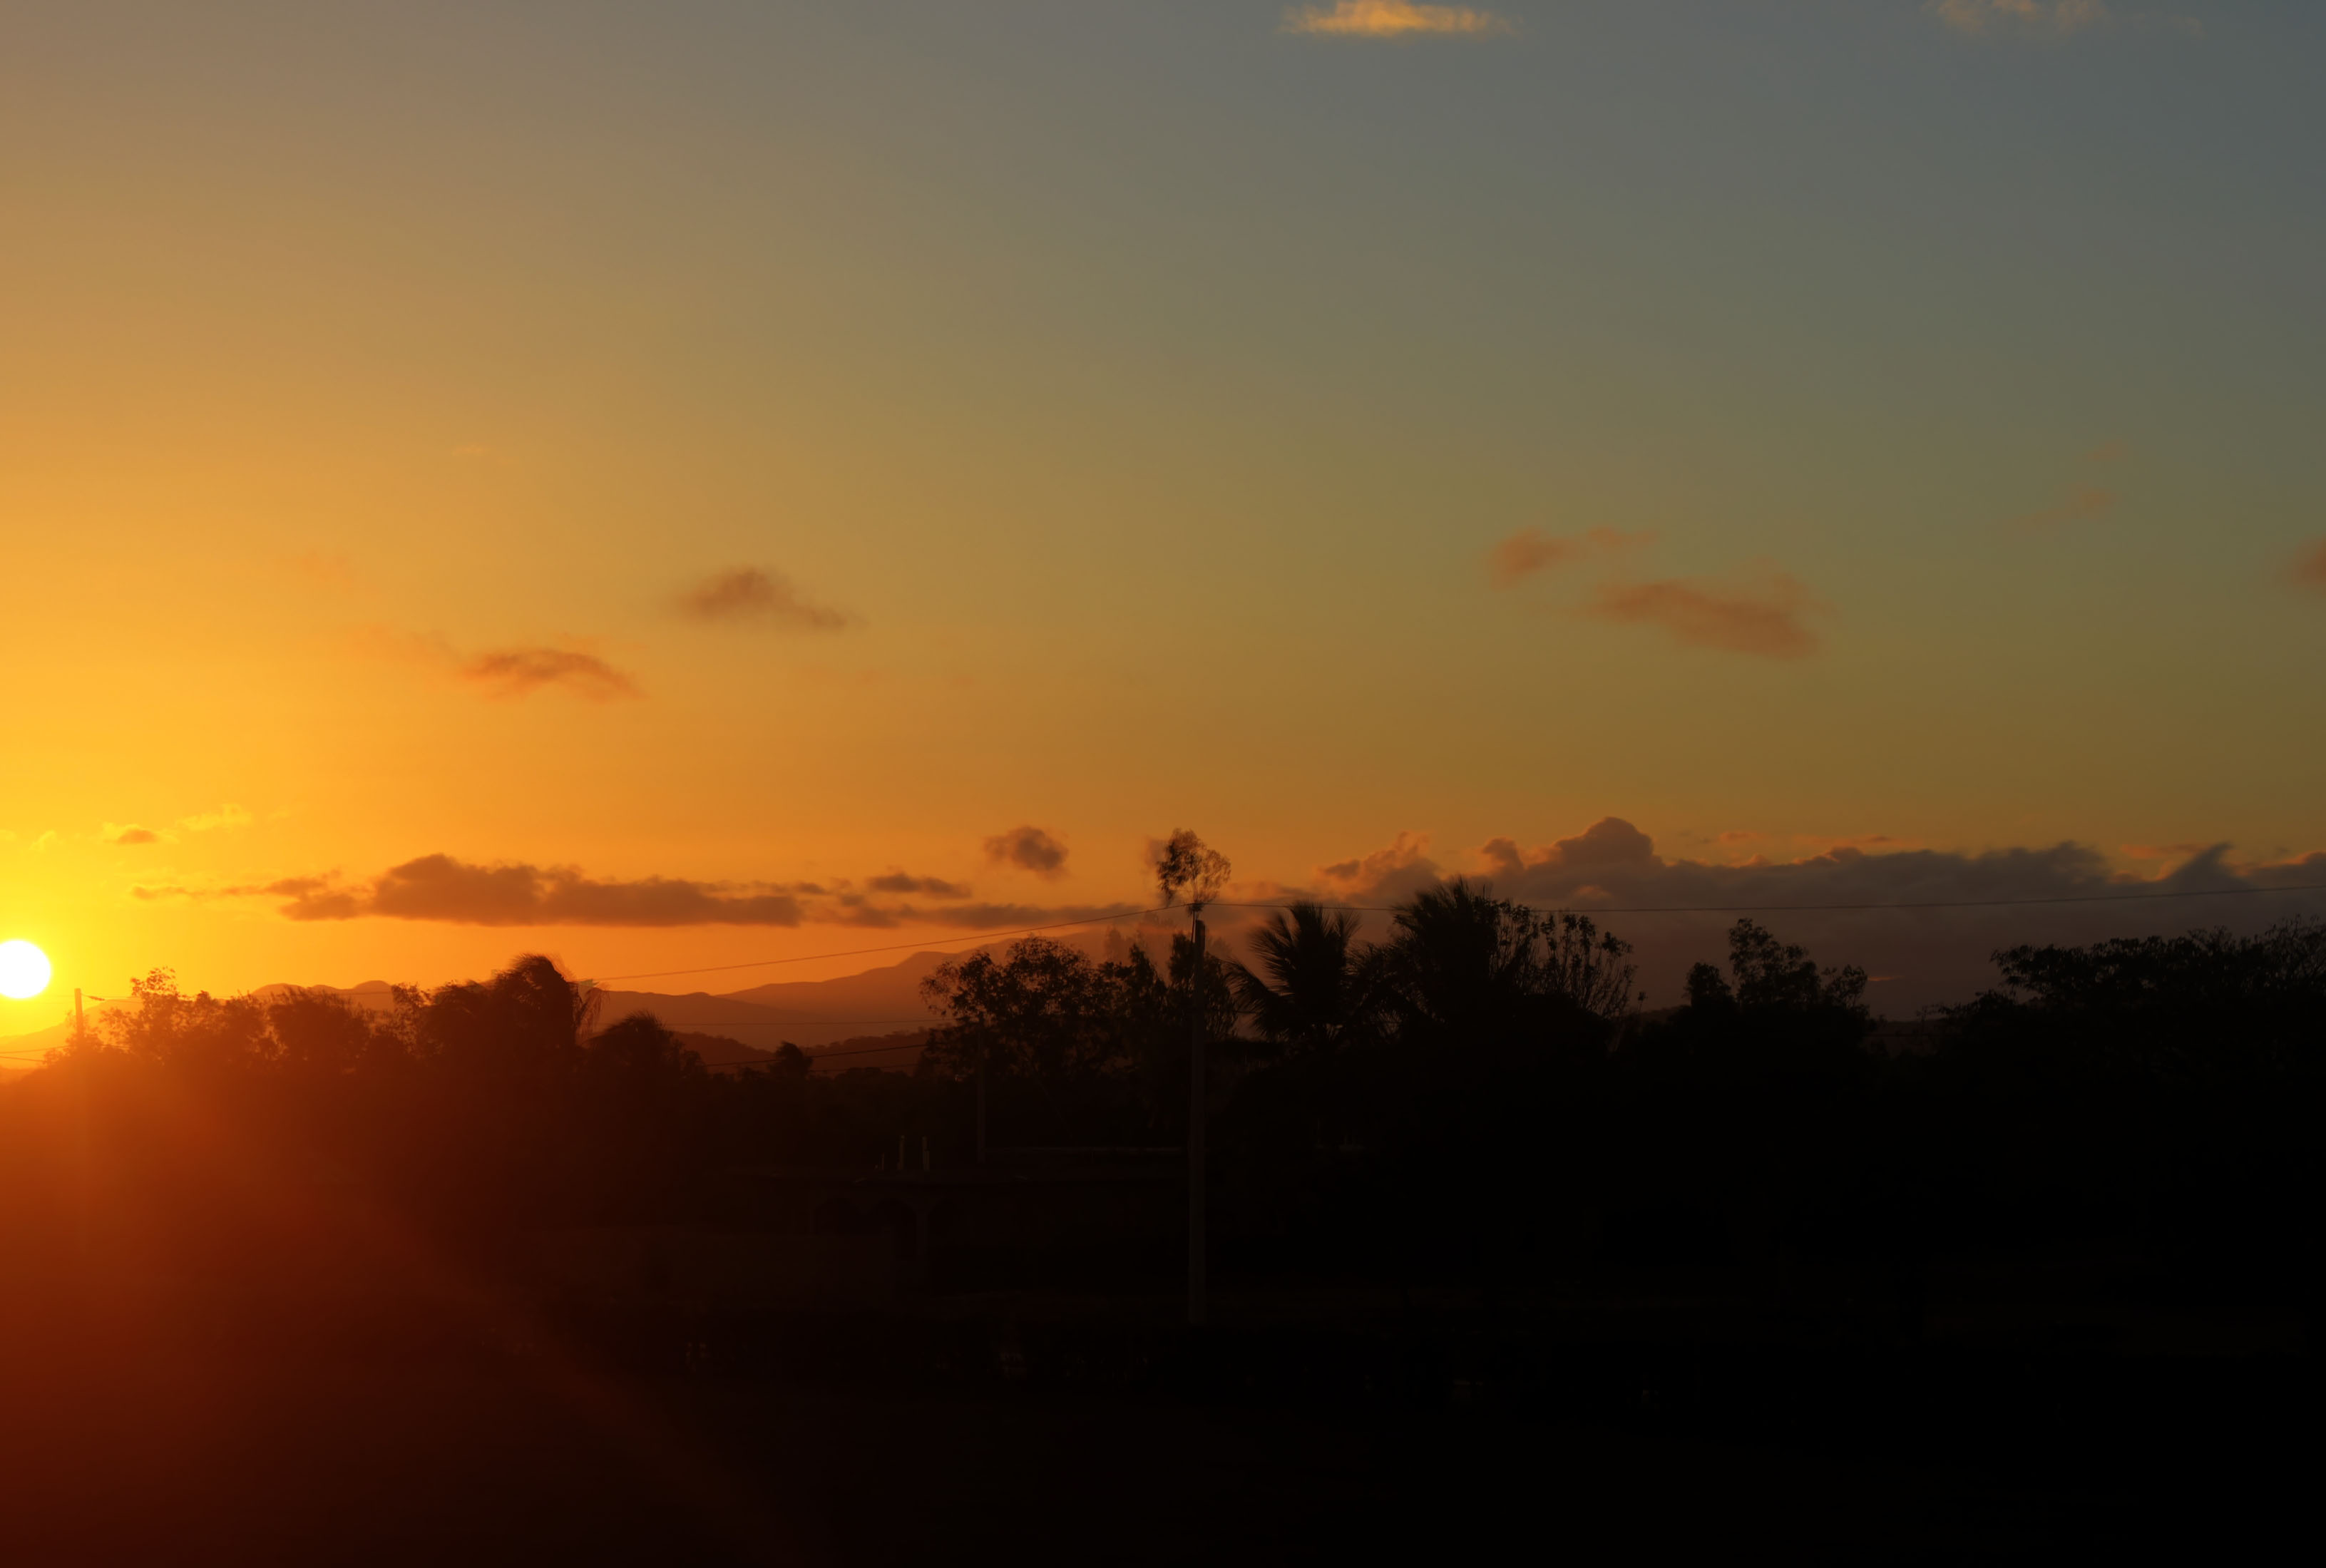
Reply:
x=199, y=1435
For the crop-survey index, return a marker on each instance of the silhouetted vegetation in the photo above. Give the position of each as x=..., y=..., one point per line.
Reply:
x=1482, y=1102
x=1481, y=1095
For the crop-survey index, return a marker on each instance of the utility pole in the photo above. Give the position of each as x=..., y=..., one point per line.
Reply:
x=1184, y=868
x=80, y=1030
x=1195, y=1255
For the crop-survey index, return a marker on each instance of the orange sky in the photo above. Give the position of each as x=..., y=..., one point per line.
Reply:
x=1773, y=426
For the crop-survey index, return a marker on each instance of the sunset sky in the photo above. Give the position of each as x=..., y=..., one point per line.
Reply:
x=749, y=479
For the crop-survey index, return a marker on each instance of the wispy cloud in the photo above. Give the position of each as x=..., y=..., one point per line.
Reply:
x=1395, y=19
x=1761, y=617
x=447, y=889
x=324, y=569
x=1736, y=839
x=442, y=888
x=1528, y=551
x=132, y=835
x=1029, y=848
x=2161, y=851
x=2309, y=567
x=2053, y=18
x=521, y=672
x=751, y=593
x=963, y=917
x=2061, y=17
x=503, y=673
x=1758, y=612
x=2091, y=501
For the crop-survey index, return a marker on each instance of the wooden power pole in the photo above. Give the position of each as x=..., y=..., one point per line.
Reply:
x=1185, y=868
x=1195, y=1249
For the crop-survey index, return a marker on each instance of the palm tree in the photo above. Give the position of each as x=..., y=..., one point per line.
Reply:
x=1479, y=971
x=1314, y=990
x=1462, y=964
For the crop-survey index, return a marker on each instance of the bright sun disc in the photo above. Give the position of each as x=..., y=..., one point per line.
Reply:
x=24, y=970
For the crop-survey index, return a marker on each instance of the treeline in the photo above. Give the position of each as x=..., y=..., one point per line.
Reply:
x=1486, y=1093
x=1483, y=1094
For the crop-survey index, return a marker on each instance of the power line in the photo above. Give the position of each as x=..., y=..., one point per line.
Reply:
x=815, y=1057
x=1390, y=909
x=893, y=947
x=1830, y=908
x=685, y=1028
x=1538, y=909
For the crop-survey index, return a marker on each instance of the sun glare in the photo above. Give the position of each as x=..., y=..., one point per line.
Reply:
x=24, y=970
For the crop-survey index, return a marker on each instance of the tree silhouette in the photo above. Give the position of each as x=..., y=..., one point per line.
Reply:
x=1187, y=868
x=1316, y=986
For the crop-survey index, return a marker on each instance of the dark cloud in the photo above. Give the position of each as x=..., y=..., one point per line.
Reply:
x=1398, y=871
x=749, y=593
x=1676, y=912
x=445, y=889
x=1029, y=848
x=438, y=887
x=969, y=916
x=902, y=882
x=519, y=672
x=1763, y=618
x=136, y=835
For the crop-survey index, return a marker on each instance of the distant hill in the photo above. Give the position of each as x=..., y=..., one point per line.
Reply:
x=890, y=986
x=886, y=1053
x=879, y=1015
x=807, y=1012
x=899, y=1053
x=718, y=1050
x=22, y=1053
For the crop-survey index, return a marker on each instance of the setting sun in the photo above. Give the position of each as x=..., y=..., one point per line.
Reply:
x=24, y=970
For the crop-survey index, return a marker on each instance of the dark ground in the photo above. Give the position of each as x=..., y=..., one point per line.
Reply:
x=135, y=1437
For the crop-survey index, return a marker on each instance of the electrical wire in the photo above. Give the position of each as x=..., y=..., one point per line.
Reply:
x=1830, y=908
x=892, y=947
x=699, y=1028
x=1538, y=909
x=927, y=943
x=815, y=1057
